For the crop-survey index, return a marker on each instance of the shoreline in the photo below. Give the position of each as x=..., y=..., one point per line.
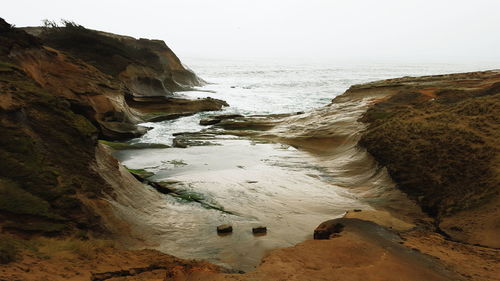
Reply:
x=77, y=213
x=417, y=234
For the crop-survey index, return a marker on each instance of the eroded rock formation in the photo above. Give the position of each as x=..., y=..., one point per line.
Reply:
x=56, y=103
x=439, y=136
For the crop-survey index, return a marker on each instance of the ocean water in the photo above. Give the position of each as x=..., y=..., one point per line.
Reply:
x=256, y=183
x=270, y=87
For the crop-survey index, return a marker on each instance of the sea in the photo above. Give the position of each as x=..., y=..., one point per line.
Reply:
x=258, y=86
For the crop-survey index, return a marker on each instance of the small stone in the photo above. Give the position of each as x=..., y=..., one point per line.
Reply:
x=259, y=229
x=357, y=210
x=225, y=228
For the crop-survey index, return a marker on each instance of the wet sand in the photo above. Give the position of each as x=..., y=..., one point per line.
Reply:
x=306, y=170
x=267, y=184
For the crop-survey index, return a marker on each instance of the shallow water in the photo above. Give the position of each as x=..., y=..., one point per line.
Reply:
x=262, y=184
x=288, y=190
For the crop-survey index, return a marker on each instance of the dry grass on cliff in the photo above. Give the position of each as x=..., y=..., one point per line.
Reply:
x=443, y=152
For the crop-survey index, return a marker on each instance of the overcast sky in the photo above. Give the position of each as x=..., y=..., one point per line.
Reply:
x=403, y=30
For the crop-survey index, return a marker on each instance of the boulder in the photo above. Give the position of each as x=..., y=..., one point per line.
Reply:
x=259, y=230
x=327, y=228
x=224, y=228
x=179, y=143
x=212, y=120
x=209, y=121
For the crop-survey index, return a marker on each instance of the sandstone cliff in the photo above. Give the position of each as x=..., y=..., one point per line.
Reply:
x=147, y=67
x=56, y=180
x=55, y=104
x=439, y=136
x=112, y=80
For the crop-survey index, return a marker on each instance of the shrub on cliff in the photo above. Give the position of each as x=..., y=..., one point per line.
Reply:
x=106, y=53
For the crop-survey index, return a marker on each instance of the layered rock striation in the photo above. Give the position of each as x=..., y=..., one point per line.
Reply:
x=60, y=92
x=113, y=80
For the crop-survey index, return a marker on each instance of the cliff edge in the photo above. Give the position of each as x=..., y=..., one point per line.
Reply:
x=438, y=137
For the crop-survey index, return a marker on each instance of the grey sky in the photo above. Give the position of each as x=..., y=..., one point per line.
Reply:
x=424, y=30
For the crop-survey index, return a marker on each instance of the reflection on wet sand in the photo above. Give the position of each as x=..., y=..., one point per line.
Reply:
x=315, y=174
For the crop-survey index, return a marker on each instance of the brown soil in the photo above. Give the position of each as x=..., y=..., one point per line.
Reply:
x=105, y=264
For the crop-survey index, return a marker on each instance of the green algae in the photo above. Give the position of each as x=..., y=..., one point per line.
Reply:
x=141, y=172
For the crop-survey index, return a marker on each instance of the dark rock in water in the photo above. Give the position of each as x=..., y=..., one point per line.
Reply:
x=121, y=130
x=357, y=210
x=212, y=120
x=180, y=143
x=259, y=230
x=140, y=174
x=225, y=228
x=327, y=228
x=184, y=142
x=161, y=187
x=209, y=121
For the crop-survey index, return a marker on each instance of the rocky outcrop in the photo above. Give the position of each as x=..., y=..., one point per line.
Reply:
x=57, y=180
x=438, y=136
x=45, y=151
x=54, y=105
x=156, y=109
x=146, y=67
x=89, y=92
x=115, y=81
x=215, y=119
